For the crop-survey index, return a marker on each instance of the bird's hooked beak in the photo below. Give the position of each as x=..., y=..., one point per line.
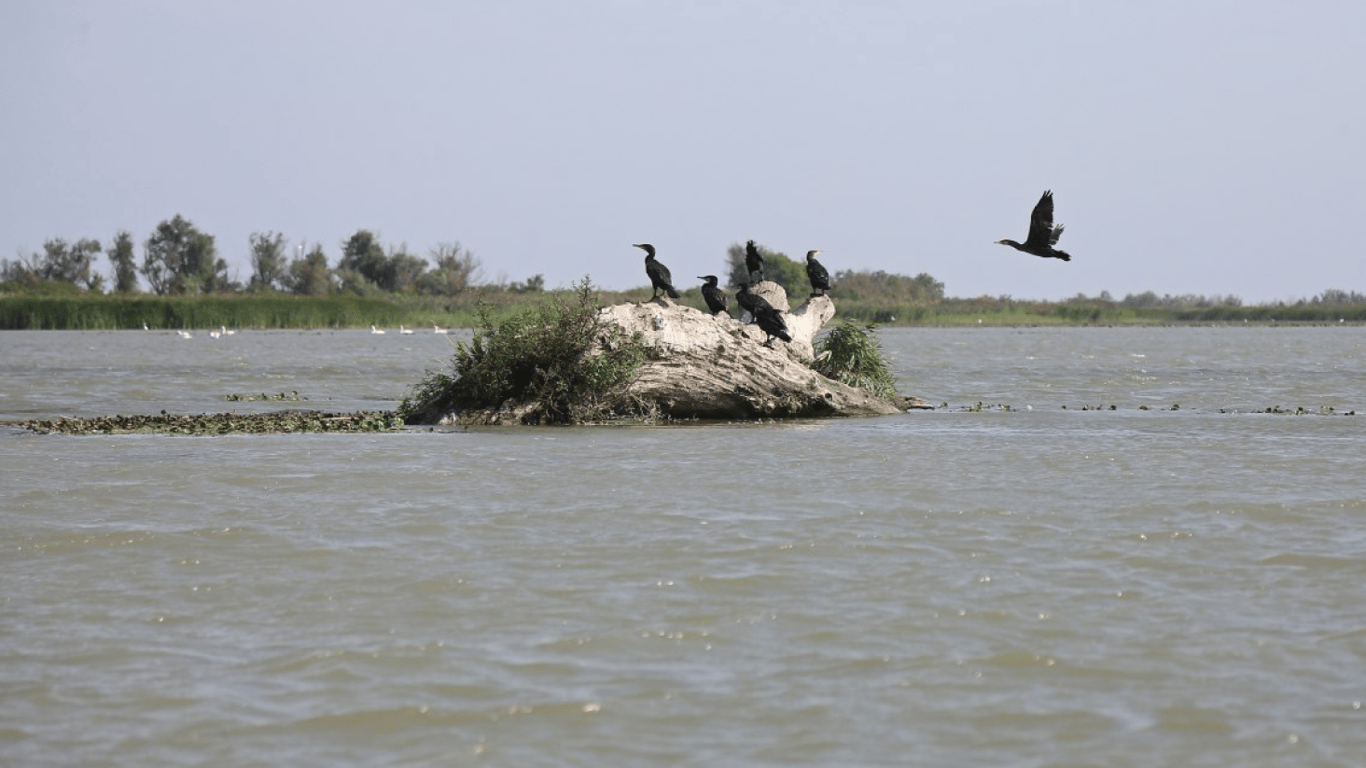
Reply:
x=650, y=249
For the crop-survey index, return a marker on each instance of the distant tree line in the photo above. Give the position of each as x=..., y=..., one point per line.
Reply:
x=1150, y=300
x=180, y=259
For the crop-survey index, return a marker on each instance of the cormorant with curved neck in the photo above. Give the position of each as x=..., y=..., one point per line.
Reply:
x=1042, y=234
x=817, y=274
x=753, y=261
x=660, y=279
x=714, y=296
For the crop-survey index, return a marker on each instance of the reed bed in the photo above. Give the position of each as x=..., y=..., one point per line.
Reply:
x=21, y=311
x=107, y=313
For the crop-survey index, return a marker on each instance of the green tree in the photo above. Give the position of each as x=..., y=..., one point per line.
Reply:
x=363, y=263
x=402, y=271
x=83, y=258
x=178, y=258
x=60, y=262
x=23, y=270
x=125, y=264
x=456, y=270
x=927, y=288
x=267, y=259
x=65, y=262
x=309, y=276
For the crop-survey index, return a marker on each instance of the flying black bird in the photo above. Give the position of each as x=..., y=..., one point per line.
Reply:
x=660, y=279
x=1042, y=234
x=753, y=261
x=715, y=297
x=815, y=272
x=752, y=302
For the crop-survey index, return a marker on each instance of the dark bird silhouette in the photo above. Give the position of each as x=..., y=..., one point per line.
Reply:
x=817, y=274
x=769, y=317
x=660, y=279
x=714, y=296
x=753, y=261
x=1042, y=234
x=751, y=302
x=771, y=322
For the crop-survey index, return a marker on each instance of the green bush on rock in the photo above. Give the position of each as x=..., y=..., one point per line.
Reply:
x=558, y=359
x=851, y=354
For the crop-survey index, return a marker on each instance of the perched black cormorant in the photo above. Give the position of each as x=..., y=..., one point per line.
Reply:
x=1042, y=234
x=816, y=273
x=660, y=279
x=753, y=261
x=752, y=302
x=714, y=296
x=769, y=317
x=771, y=322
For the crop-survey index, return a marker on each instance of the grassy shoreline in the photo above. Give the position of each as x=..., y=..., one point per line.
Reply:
x=282, y=311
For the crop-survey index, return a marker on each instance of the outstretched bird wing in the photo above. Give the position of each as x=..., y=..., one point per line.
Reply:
x=1041, y=223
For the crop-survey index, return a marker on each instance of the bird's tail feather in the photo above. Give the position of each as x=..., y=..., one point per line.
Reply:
x=672, y=293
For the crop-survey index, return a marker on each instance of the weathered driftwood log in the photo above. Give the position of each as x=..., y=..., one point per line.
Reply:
x=715, y=367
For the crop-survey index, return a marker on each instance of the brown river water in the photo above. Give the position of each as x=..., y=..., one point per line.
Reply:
x=1052, y=584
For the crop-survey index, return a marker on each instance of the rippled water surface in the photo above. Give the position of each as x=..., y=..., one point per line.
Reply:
x=1052, y=584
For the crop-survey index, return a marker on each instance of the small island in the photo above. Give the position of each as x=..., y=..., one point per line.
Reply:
x=658, y=361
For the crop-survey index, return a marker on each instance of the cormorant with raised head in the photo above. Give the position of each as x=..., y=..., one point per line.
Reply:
x=1042, y=234
x=714, y=296
x=753, y=261
x=660, y=279
x=817, y=274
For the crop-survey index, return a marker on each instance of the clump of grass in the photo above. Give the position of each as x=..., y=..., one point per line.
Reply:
x=852, y=354
x=557, y=356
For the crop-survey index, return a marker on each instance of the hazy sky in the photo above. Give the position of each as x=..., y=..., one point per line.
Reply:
x=1200, y=146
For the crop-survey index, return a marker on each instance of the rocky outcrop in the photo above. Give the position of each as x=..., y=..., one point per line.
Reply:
x=714, y=367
